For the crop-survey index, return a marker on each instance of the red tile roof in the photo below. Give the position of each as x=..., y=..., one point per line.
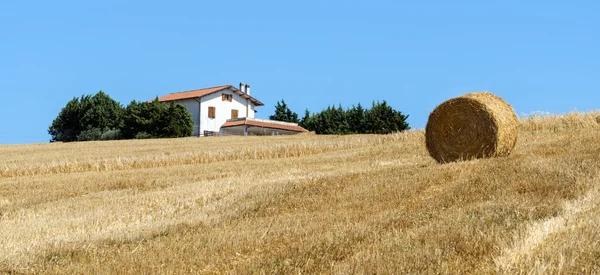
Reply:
x=206, y=91
x=264, y=124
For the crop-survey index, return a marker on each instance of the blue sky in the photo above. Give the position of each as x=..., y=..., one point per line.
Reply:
x=538, y=55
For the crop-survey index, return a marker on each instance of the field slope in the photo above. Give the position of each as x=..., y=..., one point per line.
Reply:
x=304, y=204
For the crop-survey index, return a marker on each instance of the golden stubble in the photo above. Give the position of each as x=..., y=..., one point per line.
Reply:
x=303, y=204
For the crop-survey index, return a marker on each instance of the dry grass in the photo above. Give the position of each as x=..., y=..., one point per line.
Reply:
x=304, y=204
x=545, y=122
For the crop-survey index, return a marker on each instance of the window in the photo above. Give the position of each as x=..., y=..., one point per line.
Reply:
x=211, y=112
x=226, y=97
x=234, y=114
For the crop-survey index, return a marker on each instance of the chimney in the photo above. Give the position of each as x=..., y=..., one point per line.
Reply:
x=242, y=87
x=247, y=100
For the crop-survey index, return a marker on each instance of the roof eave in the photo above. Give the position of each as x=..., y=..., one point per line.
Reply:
x=254, y=101
x=246, y=96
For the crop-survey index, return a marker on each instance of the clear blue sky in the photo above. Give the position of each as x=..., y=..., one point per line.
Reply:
x=538, y=55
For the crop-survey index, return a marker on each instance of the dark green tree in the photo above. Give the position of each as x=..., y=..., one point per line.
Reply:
x=383, y=119
x=340, y=118
x=100, y=111
x=87, y=118
x=157, y=120
x=325, y=122
x=380, y=119
x=175, y=121
x=99, y=117
x=283, y=113
x=66, y=126
x=357, y=119
x=307, y=121
x=134, y=120
x=330, y=121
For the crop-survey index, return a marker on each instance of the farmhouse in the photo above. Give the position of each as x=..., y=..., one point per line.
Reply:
x=227, y=110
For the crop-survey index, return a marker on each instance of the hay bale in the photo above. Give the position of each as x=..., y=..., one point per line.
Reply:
x=475, y=125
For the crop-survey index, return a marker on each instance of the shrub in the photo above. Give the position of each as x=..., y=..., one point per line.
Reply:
x=111, y=134
x=142, y=135
x=89, y=135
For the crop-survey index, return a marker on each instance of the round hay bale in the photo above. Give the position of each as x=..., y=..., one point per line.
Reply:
x=475, y=125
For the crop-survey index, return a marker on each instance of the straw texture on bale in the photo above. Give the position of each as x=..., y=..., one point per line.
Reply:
x=475, y=125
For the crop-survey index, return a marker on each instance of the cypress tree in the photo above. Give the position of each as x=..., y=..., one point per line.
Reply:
x=283, y=113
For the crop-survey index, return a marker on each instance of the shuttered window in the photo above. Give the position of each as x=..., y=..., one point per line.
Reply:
x=234, y=114
x=211, y=112
x=226, y=97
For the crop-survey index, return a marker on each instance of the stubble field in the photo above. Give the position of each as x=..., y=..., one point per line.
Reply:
x=304, y=204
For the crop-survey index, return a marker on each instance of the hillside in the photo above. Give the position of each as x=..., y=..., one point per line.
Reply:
x=306, y=203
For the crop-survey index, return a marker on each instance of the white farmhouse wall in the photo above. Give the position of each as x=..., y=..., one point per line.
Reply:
x=199, y=111
x=198, y=108
x=192, y=106
x=223, y=110
x=251, y=110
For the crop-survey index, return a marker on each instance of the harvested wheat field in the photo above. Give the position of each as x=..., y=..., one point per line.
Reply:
x=304, y=204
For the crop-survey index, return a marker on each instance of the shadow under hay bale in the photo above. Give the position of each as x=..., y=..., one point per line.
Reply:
x=475, y=125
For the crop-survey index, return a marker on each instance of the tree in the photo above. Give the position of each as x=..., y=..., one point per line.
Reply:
x=157, y=120
x=100, y=111
x=140, y=117
x=357, y=119
x=99, y=117
x=325, y=122
x=307, y=120
x=380, y=119
x=283, y=113
x=340, y=119
x=176, y=121
x=66, y=126
x=87, y=118
x=383, y=119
